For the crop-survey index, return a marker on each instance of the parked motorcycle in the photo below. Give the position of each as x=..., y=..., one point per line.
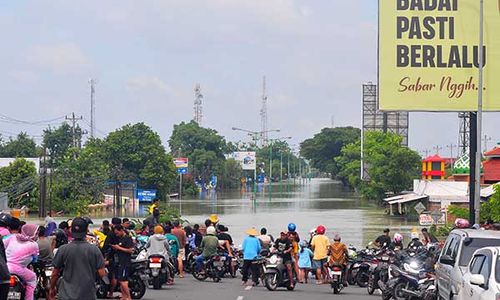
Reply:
x=379, y=270
x=276, y=274
x=359, y=269
x=137, y=281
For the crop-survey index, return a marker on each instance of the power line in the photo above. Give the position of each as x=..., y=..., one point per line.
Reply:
x=7, y=119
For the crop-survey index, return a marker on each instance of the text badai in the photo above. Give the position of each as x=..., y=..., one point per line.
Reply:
x=440, y=5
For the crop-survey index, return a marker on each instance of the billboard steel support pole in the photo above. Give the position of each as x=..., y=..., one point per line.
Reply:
x=472, y=166
x=478, y=153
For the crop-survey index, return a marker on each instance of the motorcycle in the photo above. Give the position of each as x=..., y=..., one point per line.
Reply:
x=43, y=271
x=158, y=271
x=17, y=288
x=413, y=281
x=276, y=274
x=358, y=272
x=137, y=281
x=379, y=271
x=336, y=282
x=213, y=267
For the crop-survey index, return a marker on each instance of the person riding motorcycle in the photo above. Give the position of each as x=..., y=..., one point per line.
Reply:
x=284, y=247
x=415, y=242
x=5, y=220
x=208, y=246
x=294, y=238
x=338, y=256
x=398, y=241
x=20, y=251
x=158, y=245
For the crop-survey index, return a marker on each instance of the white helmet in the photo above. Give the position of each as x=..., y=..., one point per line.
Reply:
x=211, y=230
x=398, y=238
x=414, y=235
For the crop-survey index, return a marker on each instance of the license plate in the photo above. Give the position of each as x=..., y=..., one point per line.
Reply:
x=271, y=266
x=14, y=296
x=155, y=265
x=338, y=273
x=385, y=258
x=48, y=273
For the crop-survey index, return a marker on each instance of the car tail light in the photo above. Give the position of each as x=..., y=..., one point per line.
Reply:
x=12, y=282
x=155, y=259
x=337, y=269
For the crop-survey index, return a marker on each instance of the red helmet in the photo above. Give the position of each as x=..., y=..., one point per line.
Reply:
x=320, y=229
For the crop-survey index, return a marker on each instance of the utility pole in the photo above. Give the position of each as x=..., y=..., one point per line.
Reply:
x=486, y=139
x=198, y=104
x=263, y=115
x=92, y=107
x=451, y=146
x=43, y=185
x=73, y=120
x=437, y=148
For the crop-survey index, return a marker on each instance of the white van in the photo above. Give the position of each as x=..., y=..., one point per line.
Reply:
x=456, y=255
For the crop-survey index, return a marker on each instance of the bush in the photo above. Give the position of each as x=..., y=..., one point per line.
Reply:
x=458, y=212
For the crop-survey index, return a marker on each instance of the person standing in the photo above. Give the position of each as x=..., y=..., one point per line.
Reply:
x=320, y=245
x=199, y=236
x=384, y=240
x=80, y=262
x=251, y=251
x=305, y=261
x=123, y=249
x=46, y=246
x=181, y=236
x=109, y=253
x=154, y=205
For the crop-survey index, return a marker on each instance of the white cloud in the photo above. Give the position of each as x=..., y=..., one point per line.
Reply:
x=23, y=76
x=60, y=58
x=149, y=83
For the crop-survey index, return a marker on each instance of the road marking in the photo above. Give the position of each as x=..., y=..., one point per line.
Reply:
x=248, y=288
x=239, y=298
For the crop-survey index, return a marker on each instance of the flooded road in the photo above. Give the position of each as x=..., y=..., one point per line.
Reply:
x=321, y=201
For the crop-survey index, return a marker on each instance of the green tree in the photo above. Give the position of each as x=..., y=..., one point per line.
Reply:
x=231, y=174
x=324, y=147
x=205, y=149
x=19, y=180
x=391, y=167
x=135, y=152
x=21, y=146
x=490, y=210
x=58, y=142
x=81, y=181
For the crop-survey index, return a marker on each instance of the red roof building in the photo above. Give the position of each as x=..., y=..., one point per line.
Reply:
x=491, y=166
x=433, y=167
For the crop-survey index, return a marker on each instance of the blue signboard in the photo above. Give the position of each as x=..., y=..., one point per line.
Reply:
x=182, y=170
x=146, y=195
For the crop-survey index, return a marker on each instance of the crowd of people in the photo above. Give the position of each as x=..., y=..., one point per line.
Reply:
x=80, y=253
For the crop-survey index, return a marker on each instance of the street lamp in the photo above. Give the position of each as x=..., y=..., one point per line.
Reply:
x=271, y=162
x=255, y=137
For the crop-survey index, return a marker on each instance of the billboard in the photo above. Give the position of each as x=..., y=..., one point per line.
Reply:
x=146, y=195
x=429, y=55
x=182, y=164
x=246, y=159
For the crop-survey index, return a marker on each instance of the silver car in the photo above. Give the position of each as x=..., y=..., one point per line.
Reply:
x=456, y=255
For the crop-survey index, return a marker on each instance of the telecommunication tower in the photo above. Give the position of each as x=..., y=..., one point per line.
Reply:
x=263, y=115
x=463, y=133
x=92, y=107
x=198, y=107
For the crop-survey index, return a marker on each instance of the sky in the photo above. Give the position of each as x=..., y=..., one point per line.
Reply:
x=147, y=57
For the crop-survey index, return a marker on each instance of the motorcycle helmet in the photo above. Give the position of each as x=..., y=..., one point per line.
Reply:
x=461, y=223
x=292, y=227
x=398, y=238
x=211, y=230
x=414, y=235
x=88, y=220
x=320, y=229
x=214, y=219
x=5, y=219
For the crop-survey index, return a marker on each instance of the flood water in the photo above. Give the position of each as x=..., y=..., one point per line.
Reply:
x=315, y=202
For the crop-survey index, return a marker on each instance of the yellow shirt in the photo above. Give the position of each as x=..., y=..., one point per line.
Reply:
x=320, y=243
x=152, y=208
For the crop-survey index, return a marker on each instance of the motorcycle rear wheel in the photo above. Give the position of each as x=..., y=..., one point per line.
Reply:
x=271, y=282
x=101, y=290
x=362, y=280
x=371, y=284
x=136, y=287
x=398, y=293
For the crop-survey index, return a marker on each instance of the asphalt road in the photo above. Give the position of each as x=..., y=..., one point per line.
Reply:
x=231, y=289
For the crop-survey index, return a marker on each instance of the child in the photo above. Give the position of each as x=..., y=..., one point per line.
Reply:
x=305, y=256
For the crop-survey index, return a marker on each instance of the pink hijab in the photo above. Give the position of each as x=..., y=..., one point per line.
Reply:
x=28, y=233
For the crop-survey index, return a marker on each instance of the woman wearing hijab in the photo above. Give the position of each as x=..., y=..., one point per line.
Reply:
x=21, y=251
